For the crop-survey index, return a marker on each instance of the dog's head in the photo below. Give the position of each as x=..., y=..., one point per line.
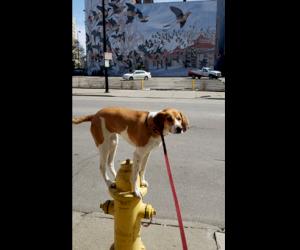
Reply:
x=171, y=120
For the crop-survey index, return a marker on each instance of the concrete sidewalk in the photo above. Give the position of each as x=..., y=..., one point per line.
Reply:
x=96, y=231
x=177, y=94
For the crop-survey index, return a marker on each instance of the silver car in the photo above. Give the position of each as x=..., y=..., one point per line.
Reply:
x=137, y=74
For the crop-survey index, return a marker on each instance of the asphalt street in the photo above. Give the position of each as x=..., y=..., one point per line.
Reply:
x=197, y=160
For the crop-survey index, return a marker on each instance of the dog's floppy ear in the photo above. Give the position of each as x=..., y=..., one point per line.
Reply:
x=185, y=122
x=159, y=120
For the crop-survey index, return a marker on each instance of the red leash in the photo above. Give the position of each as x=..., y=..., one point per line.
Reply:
x=179, y=218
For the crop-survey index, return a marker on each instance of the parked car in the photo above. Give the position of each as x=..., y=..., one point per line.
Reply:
x=137, y=74
x=205, y=71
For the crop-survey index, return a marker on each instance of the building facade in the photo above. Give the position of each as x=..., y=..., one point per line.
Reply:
x=220, y=37
x=166, y=39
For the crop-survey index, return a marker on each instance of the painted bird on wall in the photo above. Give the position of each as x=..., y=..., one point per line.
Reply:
x=180, y=16
x=132, y=11
x=141, y=17
x=117, y=8
x=96, y=34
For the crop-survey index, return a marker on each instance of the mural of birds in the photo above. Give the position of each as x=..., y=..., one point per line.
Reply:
x=129, y=43
x=90, y=18
x=87, y=37
x=119, y=36
x=141, y=17
x=95, y=15
x=97, y=46
x=117, y=8
x=143, y=49
x=99, y=7
x=89, y=48
x=132, y=11
x=113, y=25
x=118, y=56
x=96, y=34
x=180, y=16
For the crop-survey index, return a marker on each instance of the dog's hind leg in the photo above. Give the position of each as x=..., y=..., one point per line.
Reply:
x=114, y=140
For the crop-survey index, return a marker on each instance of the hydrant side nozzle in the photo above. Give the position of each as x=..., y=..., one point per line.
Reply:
x=148, y=211
x=108, y=207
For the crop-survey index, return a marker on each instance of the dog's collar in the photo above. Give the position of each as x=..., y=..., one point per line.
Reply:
x=154, y=129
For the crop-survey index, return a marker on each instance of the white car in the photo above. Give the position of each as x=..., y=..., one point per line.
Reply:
x=137, y=74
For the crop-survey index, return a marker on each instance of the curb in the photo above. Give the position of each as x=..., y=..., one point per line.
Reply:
x=220, y=239
x=153, y=94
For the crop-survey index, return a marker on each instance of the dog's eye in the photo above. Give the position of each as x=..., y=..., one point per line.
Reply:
x=169, y=119
x=178, y=118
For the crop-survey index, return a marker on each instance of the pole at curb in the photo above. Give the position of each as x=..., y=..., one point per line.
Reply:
x=104, y=46
x=193, y=84
x=142, y=84
x=203, y=85
x=127, y=210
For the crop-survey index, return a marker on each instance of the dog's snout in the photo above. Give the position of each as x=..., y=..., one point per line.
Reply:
x=178, y=130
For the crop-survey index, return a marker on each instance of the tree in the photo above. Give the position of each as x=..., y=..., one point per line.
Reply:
x=77, y=54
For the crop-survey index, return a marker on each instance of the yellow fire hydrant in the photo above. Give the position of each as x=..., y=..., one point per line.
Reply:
x=128, y=211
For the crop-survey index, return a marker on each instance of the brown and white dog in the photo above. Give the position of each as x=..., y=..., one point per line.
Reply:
x=141, y=129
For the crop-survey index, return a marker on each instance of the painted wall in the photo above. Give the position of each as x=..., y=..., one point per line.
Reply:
x=220, y=37
x=164, y=38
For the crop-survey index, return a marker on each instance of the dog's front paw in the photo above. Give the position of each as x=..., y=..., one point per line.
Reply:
x=144, y=183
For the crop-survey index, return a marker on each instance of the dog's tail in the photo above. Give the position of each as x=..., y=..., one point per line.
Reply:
x=81, y=119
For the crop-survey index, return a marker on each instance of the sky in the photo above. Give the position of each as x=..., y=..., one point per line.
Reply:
x=78, y=13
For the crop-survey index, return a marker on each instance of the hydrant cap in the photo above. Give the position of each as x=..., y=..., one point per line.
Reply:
x=123, y=182
x=124, y=175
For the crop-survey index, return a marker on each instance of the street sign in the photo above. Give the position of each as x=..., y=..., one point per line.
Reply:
x=107, y=56
x=106, y=63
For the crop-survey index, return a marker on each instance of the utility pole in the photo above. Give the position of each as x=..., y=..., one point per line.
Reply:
x=104, y=46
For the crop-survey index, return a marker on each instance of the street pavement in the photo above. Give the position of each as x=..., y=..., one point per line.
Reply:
x=94, y=230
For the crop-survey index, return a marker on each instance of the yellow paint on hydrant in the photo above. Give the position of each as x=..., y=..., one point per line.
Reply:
x=128, y=211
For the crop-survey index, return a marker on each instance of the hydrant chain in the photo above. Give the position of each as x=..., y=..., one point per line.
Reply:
x=147, y=224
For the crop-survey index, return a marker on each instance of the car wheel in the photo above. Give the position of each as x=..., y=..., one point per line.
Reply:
x=146, y=78
x=193, y=77
x=131, y=78
x=199, y=77
x=211, y=76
